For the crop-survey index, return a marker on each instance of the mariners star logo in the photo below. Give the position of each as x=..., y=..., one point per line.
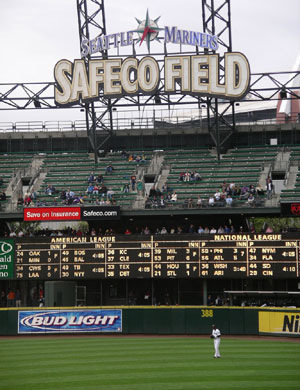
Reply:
x=148, y=30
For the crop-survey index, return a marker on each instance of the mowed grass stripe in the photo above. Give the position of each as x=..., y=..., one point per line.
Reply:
x=156, y=363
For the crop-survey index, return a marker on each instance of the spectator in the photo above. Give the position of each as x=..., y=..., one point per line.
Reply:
x=187, y=176
x=69, y=196
x=217, y=196
x=11, y=296
x=127, y=232
x=269, y=184
x=213, y=230
x=163, y=231
x=27, y=200
x=269, y=229
x=110, y=194
x=252, y=190
x=220, y=230
x=229, y=201
x=125, y=188
x=244, y=193
x=197, y=176
x=90, y=189
x=152, y=192
x=226, y=229
x=103, y=190
x=146, y=230
x=211, y=201
x=50, y=190
x=162, y=202
x=191, y=228
x=174, y=197
x=109, y=169
x=96, y=189
x=133, y=182
x=199, y=202
x=251, y=200
x=33, y=196
x=190, y=203
x=200, y=230
x=259, y=190
x=139, y=187
x=99, y=179
x=18, y=298
x=91, y=178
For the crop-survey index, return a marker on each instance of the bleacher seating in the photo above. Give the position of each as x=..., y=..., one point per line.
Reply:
x=10, y=164
x=242, y=166
x=71, y=170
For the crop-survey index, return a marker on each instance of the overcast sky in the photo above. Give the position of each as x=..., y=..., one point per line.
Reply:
x=35, y=34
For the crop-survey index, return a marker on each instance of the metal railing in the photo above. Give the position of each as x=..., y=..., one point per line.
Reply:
x=148, y=119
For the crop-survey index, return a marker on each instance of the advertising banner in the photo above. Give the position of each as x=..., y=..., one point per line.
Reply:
x=280, y=323
x=6, y=258
x=99, y=212
x=290, y=209
x=51, y=213
x=70, y=321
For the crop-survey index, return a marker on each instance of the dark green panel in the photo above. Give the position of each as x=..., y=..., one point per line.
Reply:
x=157, y=321
x=251, y=321
x=12, y=322
x=178, y=321
x=135, y=320
x=3, y=322
x=194, y=323
x=236, y=321
x=221, y=319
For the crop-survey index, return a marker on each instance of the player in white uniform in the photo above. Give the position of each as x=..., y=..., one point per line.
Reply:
x=216, y=335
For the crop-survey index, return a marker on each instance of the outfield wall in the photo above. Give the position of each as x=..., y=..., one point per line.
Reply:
x=151, y=320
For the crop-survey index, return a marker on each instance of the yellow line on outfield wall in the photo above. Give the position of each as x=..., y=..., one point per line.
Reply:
x=148, y=307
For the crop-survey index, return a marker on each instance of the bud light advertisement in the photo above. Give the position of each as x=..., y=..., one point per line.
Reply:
x=70, y=321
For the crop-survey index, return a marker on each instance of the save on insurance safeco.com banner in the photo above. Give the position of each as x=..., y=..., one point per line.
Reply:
x=70, y=321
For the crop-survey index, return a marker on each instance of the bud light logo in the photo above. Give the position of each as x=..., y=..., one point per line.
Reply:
x=70, y=321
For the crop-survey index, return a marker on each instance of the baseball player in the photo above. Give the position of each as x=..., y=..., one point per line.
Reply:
x=216, y=335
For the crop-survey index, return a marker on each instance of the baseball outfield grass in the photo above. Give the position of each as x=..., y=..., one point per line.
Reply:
x=156, y=363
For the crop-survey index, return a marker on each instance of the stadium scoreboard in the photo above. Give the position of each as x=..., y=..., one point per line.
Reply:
x=157, y=256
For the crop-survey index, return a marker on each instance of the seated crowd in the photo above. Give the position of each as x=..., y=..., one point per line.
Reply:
x=96, y=192
x=189, y=176
x=190, y=228
x=224, y=196
x=161, y=198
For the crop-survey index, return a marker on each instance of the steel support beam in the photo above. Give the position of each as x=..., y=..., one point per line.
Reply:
x=216, y=19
